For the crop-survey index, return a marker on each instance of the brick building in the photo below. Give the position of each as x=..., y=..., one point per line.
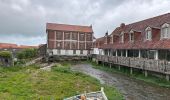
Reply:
x=142, y=45
x=69, y=40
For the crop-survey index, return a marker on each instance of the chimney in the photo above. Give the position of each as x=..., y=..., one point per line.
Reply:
x=106, y=37
x=106, y=34
x=91, y=26
x=122, y=25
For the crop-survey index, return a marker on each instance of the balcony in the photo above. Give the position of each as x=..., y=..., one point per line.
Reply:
x=160, y=66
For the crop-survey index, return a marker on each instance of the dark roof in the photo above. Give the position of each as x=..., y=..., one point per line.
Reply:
x=140, y=26
x=72, y=28
x=155, y=22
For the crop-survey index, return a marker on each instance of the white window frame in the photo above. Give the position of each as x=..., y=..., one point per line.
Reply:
x=148, y=33
x=122, y=37
x=167, y=32
x=131, y=39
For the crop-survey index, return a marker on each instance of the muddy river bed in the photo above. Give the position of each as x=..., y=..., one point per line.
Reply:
x=131, y=89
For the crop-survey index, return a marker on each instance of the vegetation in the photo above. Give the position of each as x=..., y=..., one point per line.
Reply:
x=5, y=54
x=136, y=74
x=20, y=83
x=27, y=53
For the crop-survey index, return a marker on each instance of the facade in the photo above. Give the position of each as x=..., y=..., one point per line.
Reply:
x=149, y=38
x=69, y=40
x=143, y=45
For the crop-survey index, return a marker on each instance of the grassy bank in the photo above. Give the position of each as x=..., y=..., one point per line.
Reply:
x=136, y=74
x=20, y=83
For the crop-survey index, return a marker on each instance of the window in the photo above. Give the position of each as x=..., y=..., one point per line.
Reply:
x=82, y=37
x=58, y=52
x=59, y=36
x=112, y=39
x=81, y=51
x=74, y=51
x=66, y=52
x=122, y=38
x=131, y=37
x=165, y=31
x=67, y=36
x=148, y=34
x=74, y=36
x=89, y=37
x=58, y=44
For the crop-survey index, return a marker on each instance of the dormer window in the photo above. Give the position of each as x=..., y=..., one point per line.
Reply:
x=148, y=34
x=131, y=36
x=165, y=31
x=111, y=38
x=122, y=37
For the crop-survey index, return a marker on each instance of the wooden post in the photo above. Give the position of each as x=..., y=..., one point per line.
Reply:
x=110, y=65
x=167, y=77
x=131, y=70
x=103, y=64
x=119, y=67
x=146, y=73
x=97, y=62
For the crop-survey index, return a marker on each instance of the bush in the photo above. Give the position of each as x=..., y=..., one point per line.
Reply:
x=27, y=53
x=5, y=54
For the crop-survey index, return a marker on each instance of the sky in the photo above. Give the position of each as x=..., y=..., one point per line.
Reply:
x=24, y=21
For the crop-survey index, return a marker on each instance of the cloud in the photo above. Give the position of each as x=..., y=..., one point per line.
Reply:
x=24, y=21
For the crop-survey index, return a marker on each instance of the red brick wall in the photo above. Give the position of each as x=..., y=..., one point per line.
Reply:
x=126, y=37
x=156, y=34
x=51, y=35
x=137, y=36
x=50, y=44
x=59, y=44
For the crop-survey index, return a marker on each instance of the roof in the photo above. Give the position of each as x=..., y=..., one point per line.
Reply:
x=100, y=39
x=15, y=46
x=72, y=28
x=155, y=22
x=7, y=45
x=140, y=26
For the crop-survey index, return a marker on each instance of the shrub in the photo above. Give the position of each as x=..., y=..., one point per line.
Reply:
x=27, y=53
x=5, y=54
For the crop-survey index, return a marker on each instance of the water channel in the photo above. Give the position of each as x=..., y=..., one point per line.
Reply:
x=131, y=89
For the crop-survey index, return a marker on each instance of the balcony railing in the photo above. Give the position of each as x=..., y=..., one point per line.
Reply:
x=160, y=66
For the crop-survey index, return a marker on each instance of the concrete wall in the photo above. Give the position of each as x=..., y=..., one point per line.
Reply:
x=66, y=52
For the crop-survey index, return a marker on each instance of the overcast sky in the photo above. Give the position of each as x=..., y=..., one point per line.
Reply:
x=24, y=21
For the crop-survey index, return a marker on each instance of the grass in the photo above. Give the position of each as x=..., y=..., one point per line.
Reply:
x=136, y=74
x=31, y=83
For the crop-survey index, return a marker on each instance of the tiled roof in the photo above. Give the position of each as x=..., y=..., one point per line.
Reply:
x=140, y=26
x=155, y=22
x=100, y=39
x=7, y=45
x=14, y=46
x=65, y=27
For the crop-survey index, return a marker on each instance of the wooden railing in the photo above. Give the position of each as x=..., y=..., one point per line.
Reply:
x=140, y=63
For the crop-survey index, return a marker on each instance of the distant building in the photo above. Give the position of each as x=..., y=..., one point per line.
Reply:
x=14, y=48
x=69, y=40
